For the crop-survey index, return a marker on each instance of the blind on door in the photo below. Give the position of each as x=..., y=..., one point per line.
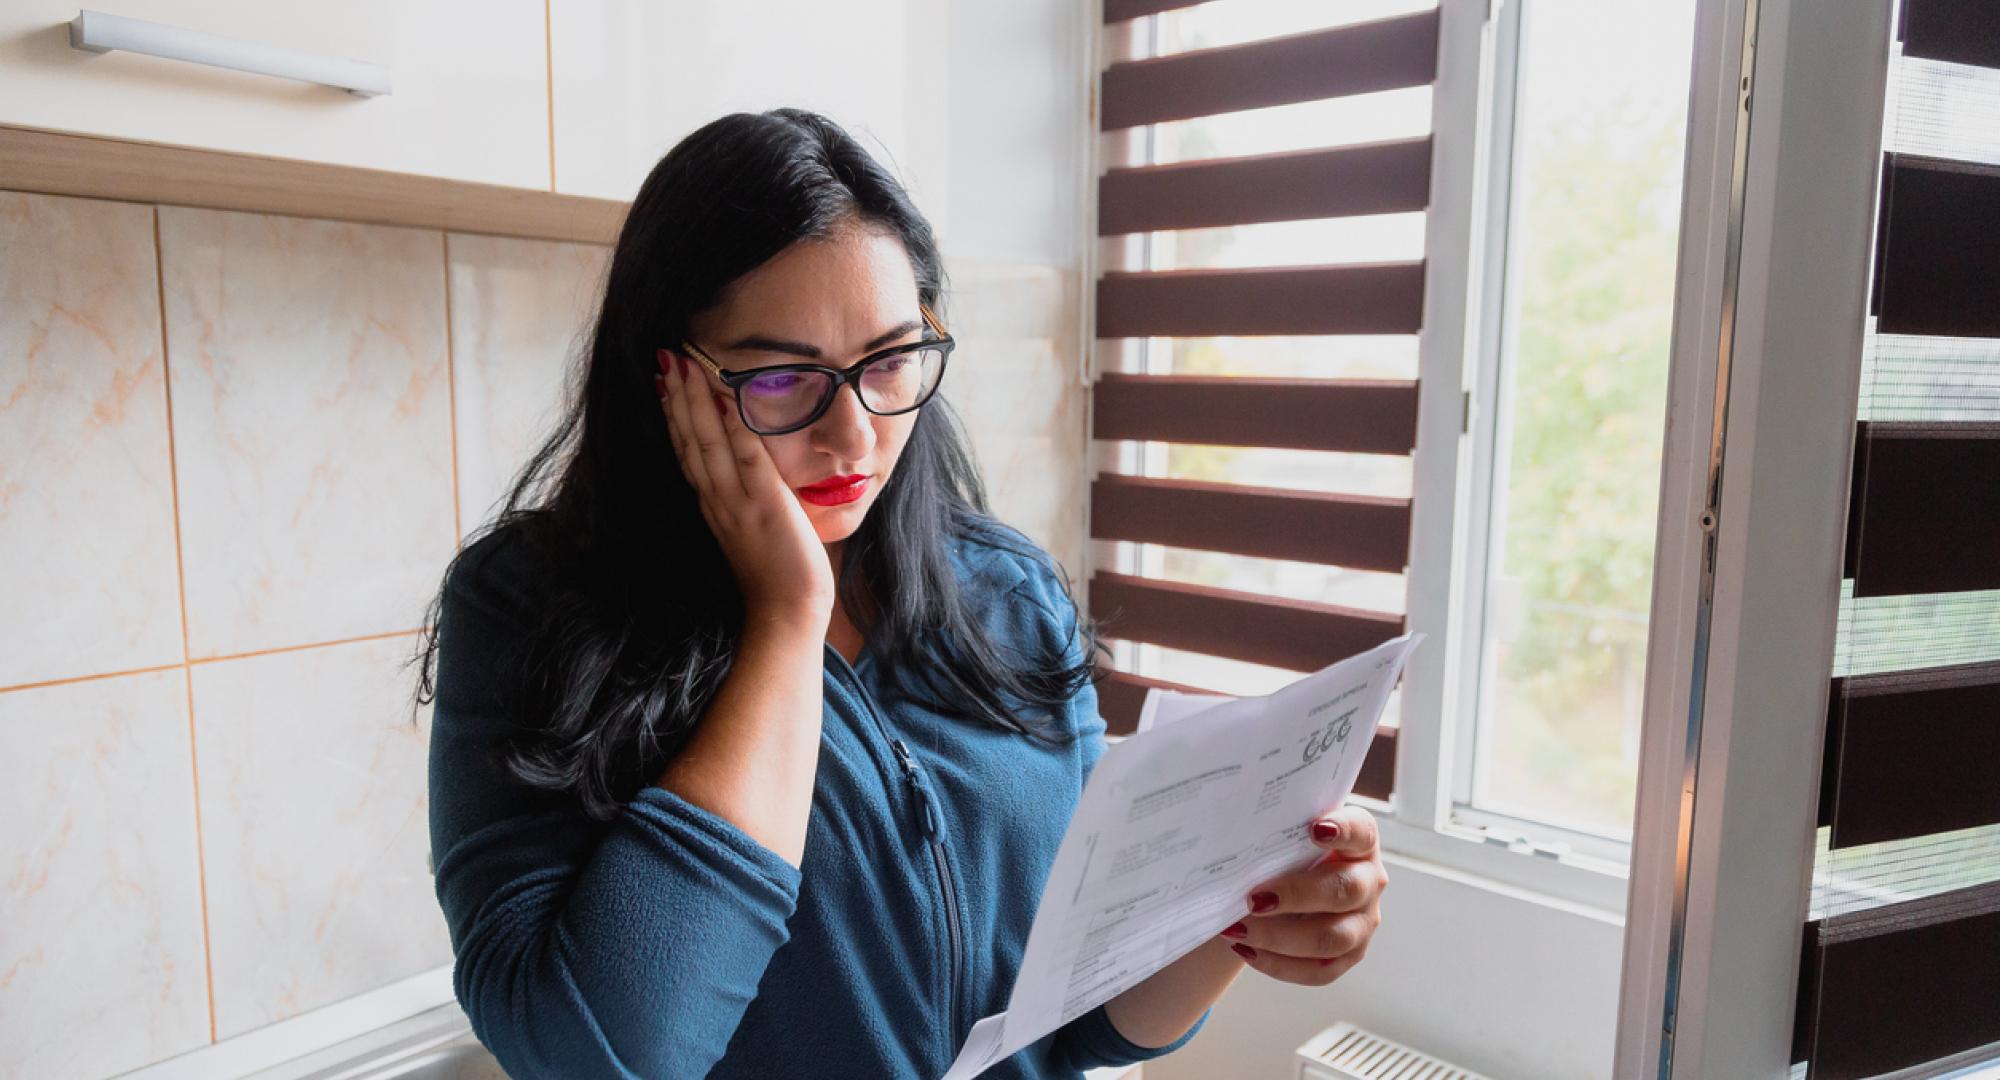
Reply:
x=1901, y=963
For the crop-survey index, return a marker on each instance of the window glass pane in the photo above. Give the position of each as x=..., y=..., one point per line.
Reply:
x=1307, y=125
x=1370, y=238
x=1304, y=470
x=1929, y=378
x=1871, y=875
x=1369, y=590
x=1897, y=633
x=1360, y=356
x=1232, y=677
x=1600, y=118
x=1945, y=110
x=1234, y=22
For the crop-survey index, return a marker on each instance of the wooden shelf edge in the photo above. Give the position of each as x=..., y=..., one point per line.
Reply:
x=96, y=167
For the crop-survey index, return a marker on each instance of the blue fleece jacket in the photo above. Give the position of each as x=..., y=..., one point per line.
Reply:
x=669, y=943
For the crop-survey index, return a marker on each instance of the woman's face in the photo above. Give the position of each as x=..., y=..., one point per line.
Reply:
x=829, y=301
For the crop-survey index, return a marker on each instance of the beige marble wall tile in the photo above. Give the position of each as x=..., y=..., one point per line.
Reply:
x=315, y=828
x=101, y=965
x=1014, y=382
x=311, y=423
x=521, y=314
x=1011, y=300
x=86, y=500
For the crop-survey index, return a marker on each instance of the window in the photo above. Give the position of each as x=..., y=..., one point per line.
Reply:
x=1563, y=347
x=1589, y=118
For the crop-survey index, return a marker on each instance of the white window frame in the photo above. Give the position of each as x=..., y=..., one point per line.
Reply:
x=1465, y=253
x=1489, y=430
x=1472, y=145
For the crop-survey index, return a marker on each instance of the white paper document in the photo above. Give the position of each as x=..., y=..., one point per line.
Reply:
x=1175, y=827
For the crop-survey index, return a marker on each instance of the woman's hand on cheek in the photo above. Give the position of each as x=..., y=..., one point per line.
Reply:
x=1311, y=927
x=780, y=565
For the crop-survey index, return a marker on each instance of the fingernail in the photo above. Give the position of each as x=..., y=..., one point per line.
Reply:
x=683, y=362
x=720, y=410
x=1245, y=951
x=1263, y=902
x=661, y=356
x=660, y=385
x=1236, y=931
x=1325, y=832
x=1325, y=960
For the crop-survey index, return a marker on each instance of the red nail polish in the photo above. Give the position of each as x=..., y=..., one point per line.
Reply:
x=1237, y=931
x=1245, y=951
x=721, y=410
x=661, y=356
x=1325, y=832
x=683, y=362
x=1263, y=902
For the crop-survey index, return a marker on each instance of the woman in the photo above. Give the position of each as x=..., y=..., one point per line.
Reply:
x=740, y=769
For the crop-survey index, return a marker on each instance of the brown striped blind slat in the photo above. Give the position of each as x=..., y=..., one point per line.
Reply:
x=1881, y=784
x=1358, y=531
x=1937, y=265
x=1300, y=635
x=1377, y=778
x=1388, y=54
x=1353, y=416
x=1378, y=298
x=1377, y=178
x=1121, y=695
x=1120, y=10
x=1924, y=516
x=1956, y=31
x=1900, y=985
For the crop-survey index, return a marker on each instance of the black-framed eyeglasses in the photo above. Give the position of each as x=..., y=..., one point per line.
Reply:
x=783, y=398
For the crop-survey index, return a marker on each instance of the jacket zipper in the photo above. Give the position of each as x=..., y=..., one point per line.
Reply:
x=933, y=821
x=931, y=817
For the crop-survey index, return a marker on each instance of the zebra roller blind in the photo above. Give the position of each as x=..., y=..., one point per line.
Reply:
x=1901, y=963
x=1355, y=531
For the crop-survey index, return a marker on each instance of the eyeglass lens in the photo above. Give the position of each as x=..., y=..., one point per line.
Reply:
x=892, y=384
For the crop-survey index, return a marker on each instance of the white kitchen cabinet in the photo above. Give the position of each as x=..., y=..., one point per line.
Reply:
x=631, y=77
x=469, y=98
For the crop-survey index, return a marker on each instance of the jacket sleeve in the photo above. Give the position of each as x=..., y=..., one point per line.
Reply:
x=1090, y=1041
x=583, y=948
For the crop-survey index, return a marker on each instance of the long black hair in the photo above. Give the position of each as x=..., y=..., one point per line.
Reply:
x=644, y=613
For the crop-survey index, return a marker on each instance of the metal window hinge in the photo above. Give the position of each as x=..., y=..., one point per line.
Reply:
x=1465, y=414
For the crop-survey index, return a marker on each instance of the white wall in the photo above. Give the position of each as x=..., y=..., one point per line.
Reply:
x=997, y=161
x=1517, y=987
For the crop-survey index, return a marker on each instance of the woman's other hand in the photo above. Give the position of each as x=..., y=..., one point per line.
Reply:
x=1311, y=927
x=780, y=563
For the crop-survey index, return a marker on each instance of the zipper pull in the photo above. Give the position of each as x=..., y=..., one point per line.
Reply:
x=927, y=802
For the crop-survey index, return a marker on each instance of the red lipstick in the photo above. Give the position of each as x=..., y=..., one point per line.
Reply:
x=835, y=490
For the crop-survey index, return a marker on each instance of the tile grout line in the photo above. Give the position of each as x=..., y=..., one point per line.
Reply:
x=451, y=393
x=73, y=679
x=549, y=71
x=197, y=661
x=187, y=667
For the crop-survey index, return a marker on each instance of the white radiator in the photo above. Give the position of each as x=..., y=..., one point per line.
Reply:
x=1346, y=1052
